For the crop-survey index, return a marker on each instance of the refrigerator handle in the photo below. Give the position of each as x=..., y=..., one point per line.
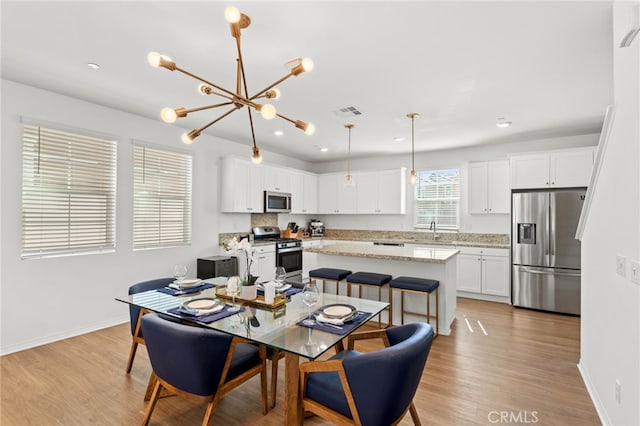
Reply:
x=564, y=274
x=552, y=228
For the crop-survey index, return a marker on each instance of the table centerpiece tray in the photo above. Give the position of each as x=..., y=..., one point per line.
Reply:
x=279, y=301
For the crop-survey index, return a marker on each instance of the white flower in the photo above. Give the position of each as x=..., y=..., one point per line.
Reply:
x=233, y=246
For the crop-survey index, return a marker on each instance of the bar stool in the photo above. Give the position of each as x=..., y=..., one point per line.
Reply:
x=370, y=279
x=329, y=274
x=414, y=285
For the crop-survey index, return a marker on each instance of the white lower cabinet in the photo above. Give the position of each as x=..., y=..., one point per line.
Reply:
x=483, y=272
x=264, y=262
x=309, y=260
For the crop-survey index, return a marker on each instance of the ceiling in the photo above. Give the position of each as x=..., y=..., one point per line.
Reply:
x=545, y=66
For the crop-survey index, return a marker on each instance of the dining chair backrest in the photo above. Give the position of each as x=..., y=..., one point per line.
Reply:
x=189, y=358
x=140, y=287
x=384, y=382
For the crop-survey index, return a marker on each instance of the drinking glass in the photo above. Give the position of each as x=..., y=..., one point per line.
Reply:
x=310, y=296
x=232, y=290
x=179, y=273
x=279, y=276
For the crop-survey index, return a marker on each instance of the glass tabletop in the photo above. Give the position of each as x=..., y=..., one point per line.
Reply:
x=278, y=328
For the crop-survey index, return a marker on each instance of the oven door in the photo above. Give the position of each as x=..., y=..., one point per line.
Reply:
x=291, y=260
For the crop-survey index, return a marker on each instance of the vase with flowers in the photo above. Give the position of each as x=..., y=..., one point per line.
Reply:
x=243, y=248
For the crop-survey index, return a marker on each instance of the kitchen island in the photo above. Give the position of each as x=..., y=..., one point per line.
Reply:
x=423, y=262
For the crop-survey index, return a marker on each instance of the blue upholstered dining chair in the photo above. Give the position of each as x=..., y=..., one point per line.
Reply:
x=135, y=313
x=199, y=362
x=371, y=389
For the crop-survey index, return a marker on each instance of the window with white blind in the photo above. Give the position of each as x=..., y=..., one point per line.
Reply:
x=437, y=199
x=161, y=198
x=68, y=192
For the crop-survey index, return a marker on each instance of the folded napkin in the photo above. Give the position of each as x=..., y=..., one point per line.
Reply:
x=344, y=328
x=200, y=312
x=206, y=318
x=179, y=292
x=335, y=321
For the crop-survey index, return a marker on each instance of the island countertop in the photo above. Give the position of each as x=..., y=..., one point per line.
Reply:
x=417, y=254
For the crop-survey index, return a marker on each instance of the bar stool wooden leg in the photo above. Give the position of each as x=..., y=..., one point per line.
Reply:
x=390, y=306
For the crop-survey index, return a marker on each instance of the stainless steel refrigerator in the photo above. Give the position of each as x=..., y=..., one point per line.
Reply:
x=545, y=255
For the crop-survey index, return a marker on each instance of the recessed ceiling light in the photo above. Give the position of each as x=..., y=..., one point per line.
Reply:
x=93, y=66
x=398, y=139
x=278, y=133
x=324, y=149
x=502, y=123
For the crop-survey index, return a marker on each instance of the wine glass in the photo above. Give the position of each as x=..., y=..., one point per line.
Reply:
x=279, y=276
x=179, y=273
x=232, y=290
x=310, y=296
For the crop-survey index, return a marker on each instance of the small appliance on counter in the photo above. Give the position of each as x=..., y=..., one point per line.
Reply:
x=316, y=228
x=217, y=266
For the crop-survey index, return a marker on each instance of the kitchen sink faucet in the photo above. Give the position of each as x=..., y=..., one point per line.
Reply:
x=432, y=227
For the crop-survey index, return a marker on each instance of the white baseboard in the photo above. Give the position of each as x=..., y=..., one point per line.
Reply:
x=597, y=403
x=28, y=344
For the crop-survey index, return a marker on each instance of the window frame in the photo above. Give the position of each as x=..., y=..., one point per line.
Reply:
x=69, y=180
x=421, y=223
x=160, y=197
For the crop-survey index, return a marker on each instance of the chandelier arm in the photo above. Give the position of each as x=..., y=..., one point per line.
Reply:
x=218, y=119
x=207, y=107
x=222, y=89
x=286, y=118
x=271, y=86
x=253, y=133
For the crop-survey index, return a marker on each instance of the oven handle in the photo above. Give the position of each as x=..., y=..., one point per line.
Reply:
x=288, y=250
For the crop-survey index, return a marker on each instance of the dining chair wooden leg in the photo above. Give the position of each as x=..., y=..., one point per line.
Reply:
x=414, y=414
x=152, y=402
x=211, y=408
x=263, y=382
x=153, y=379
x=132, y=355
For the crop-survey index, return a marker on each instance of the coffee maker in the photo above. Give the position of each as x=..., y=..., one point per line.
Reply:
x=316, y=228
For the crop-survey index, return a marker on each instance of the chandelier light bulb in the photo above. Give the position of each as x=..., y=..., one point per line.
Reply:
x=168, y=115
x=273, y=94
x=307, y=64
x=412, y=177
x=310, y=130
x=203, y=89
x=154, y=59
x=187, y=138
x=268, y=111
x=232, y=15
x=256, y=158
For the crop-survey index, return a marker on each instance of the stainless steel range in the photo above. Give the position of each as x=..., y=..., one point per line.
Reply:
x=288, y=250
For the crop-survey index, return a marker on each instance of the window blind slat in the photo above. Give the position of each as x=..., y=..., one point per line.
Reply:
x=68, y=192
x=162, y=198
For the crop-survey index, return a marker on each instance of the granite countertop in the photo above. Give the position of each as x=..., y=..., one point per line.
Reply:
x=417, y=254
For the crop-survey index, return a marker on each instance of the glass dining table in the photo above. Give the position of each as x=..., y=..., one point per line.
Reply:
x=277, y=328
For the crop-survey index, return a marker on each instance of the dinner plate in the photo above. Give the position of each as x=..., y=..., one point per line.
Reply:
x=204, y=303
x=338, y=310
x=188, y=282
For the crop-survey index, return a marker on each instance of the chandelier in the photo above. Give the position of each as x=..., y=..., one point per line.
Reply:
x=240, y=97
x=412, y=175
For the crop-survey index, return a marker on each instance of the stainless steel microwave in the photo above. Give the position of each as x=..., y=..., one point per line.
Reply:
x=277, y=202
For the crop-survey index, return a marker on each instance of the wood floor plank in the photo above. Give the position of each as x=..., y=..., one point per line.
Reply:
x=525, y=364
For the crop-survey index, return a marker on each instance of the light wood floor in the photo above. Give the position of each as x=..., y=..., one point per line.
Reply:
x=525, y=366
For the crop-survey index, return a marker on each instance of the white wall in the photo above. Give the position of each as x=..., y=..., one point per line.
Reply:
x=49, y=299
x=458, y=158
x=610, y=333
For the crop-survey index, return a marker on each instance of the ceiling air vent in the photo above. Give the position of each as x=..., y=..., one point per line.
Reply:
x=347, y=112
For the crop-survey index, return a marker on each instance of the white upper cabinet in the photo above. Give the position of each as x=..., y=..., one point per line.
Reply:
x=556, y=169
x=382, y=192
x=241, y=187
x=304, y=193
x=334, y=196
x=489, y=190
x=276, y=179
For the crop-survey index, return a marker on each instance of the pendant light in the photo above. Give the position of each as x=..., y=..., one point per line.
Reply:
x=349, y=181
x=412, y=176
